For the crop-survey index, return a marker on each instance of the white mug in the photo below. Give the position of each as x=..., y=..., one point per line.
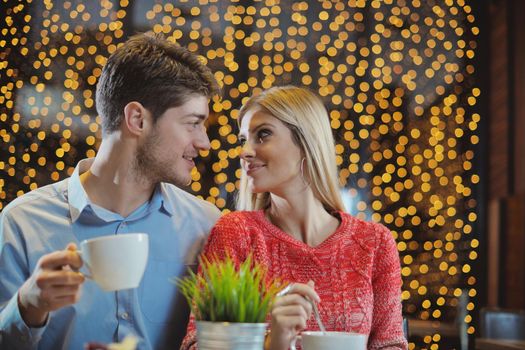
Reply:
x=115, y=262
x=331, y=340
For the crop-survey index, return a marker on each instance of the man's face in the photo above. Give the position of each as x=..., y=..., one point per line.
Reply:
x=167, y=153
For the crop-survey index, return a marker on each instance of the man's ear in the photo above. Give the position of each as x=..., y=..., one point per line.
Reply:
x=135, y=118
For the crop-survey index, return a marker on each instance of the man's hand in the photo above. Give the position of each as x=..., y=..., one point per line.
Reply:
x=53, y=285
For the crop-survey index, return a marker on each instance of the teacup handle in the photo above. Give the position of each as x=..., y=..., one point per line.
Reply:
x=294, y=340
x=86, y=274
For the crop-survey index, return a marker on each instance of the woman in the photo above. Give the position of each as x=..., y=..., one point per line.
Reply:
x=292, y=219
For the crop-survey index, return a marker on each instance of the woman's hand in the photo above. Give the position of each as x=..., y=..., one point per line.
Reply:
x=290, y=313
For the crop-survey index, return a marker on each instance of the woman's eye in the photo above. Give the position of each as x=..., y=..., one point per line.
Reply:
x=262, y=134
x=242, y=141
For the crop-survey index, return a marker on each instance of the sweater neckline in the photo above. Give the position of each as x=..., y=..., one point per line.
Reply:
x=283, y=236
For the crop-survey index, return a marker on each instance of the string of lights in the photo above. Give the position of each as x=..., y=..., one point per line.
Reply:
x=397, y=77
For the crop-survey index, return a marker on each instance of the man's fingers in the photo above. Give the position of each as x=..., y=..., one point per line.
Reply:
x=67, y=299
x=58, y=303
x=65, y=291
x=72, y=247
x=56, y=260
x=49, y=279
x=53, y=293
x=77, y=264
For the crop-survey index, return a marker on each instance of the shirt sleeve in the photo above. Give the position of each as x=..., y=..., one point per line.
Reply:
x=387, y=319
x=228, y=237
x=14, y=333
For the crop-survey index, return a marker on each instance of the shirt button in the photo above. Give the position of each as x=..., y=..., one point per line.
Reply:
x=124, y=315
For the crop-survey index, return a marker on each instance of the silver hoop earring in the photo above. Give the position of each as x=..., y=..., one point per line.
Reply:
x=302, y=172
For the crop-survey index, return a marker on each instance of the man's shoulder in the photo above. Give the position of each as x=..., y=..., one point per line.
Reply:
x=47, y=195
x=185, y=202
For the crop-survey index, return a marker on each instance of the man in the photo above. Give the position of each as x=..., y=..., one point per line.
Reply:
x=153, y=99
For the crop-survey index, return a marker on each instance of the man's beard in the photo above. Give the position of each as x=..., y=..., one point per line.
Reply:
x=150, y=168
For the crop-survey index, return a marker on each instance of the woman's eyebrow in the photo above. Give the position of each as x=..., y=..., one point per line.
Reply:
x=257, y=127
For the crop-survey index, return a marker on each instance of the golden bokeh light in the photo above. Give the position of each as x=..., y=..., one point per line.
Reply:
x=396, y=76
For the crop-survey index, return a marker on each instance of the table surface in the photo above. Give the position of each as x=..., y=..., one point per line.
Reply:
x=499, y=344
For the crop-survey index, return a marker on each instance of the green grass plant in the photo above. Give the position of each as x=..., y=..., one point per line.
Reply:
x=224, y=292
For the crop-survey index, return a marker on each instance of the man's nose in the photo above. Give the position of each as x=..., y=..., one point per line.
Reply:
x=202, y=142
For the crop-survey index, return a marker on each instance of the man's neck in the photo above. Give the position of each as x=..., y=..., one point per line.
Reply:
x=112, y=183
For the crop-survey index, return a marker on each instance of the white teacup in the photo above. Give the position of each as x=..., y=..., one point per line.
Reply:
x=331, y=340
x=116, y=262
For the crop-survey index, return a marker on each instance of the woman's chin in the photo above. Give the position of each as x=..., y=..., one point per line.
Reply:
x=257, y=189
x=261, y=186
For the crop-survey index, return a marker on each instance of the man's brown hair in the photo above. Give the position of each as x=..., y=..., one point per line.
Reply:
x=153, y=71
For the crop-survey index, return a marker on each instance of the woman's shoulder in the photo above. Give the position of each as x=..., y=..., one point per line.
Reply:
x=236, y=217
x=368, y=234
x=236, y=221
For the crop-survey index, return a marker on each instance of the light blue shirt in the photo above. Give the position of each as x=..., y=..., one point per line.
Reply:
x=47, y=219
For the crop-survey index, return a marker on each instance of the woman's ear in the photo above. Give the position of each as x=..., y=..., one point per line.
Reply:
x=135, y=116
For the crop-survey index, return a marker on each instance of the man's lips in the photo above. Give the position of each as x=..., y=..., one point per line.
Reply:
x=189, y=160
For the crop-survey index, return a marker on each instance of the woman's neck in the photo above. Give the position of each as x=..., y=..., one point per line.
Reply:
x=302, y=216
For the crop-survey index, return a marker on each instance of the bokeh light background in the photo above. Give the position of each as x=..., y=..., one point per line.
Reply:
x=397, y=76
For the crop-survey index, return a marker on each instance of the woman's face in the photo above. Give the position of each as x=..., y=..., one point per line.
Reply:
x=269, y=155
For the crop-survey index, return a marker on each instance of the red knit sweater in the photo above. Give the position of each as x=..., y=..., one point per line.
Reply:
x=356, y=272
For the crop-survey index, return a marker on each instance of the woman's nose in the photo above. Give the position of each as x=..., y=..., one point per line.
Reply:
x=247, y=151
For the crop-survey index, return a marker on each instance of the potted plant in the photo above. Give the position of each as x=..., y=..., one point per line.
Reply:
x=230, y=303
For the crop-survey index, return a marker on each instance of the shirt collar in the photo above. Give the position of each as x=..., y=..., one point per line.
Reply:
x=78, y=199
x=167, y=203
x=77, y=196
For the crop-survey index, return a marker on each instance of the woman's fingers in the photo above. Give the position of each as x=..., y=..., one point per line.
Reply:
x=294, y=300
x=306, y=290
x=290, y=310
x=296, y=323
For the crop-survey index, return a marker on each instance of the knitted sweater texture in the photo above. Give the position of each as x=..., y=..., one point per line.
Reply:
x=356, y=272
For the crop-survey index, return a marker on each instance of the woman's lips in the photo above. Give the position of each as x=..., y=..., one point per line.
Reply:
x=253, y=169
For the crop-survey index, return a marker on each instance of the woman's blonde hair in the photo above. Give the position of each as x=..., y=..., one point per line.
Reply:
x=304, y=114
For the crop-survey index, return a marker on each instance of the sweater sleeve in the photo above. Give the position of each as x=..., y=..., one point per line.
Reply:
x=387, y=320
x=228, y=237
